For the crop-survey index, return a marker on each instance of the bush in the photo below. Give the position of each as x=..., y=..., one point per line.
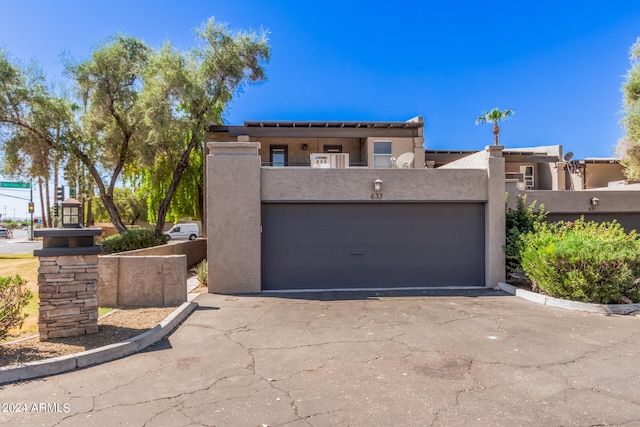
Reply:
x=14, y=296
x=131, y=240
x=583, y=261
x=519, y=221
x=201, y=270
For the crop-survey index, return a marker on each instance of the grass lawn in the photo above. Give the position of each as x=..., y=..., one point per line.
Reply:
x=26, y=266
x=23, y=265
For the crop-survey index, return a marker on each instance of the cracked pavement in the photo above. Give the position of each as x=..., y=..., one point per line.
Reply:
x=446, y=358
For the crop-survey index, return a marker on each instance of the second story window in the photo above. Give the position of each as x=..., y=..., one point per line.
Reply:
x=382, y=153
x=278, y=155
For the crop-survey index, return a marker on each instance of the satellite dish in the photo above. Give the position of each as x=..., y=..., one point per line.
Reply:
x=568, y=156
x=404, y=161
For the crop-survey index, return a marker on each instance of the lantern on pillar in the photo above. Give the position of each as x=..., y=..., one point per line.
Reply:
x=71, y=214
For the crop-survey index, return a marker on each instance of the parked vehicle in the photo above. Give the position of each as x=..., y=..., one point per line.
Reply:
x=5, y=233
x=183, y=231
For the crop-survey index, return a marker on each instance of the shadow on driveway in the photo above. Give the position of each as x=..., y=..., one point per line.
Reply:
x=355, y=295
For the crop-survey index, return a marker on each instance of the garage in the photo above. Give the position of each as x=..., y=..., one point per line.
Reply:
x=372, y=245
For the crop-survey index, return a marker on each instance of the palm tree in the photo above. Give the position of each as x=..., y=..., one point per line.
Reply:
x=494, y=116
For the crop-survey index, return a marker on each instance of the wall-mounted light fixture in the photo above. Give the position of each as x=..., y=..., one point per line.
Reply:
x=305, y=147
x=595, y=201
x=377, y=185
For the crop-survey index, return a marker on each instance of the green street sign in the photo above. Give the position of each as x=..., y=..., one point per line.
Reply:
x=7, y=184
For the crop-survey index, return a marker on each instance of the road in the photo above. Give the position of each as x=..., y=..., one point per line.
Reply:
x=20, y=244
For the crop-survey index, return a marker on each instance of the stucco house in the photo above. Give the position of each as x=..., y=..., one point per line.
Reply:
x=330, y=205
x=280, y=218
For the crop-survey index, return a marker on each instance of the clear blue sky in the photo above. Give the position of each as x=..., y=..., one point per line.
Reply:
x=558, y=64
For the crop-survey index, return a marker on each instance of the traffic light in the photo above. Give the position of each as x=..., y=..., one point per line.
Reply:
x=60, y=193
x=30, y=207
x=55, y=210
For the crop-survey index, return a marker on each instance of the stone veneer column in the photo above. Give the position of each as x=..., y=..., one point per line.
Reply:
x=233, y=217
x=495, y=221
x=68, y=282
x=67, y=287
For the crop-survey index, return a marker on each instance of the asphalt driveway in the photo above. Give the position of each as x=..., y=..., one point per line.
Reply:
x=475, y=358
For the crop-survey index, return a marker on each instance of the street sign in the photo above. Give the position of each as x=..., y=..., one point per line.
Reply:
x=8, y=184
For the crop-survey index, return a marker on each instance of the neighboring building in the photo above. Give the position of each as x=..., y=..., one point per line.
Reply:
x=538, y=168
x=593, y=173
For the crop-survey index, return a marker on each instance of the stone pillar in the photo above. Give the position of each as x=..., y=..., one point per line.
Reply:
x=68, y=282
x=233, y=217
x=68, y=291
x=495, y=221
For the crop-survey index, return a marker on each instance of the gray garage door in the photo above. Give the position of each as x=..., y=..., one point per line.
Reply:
x=371, y=245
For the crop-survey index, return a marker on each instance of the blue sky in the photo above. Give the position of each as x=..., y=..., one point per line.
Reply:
x=559, y=65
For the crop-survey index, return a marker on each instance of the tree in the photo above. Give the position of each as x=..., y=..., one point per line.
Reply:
x=131, y=206
x=185, y=93
x=629, y=147
x=112, y=121
x=33, y=121
x=494, y=116
x=141, y=115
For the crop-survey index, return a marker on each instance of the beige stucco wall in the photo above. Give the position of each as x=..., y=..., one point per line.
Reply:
x=233, y=217
x=580, y=201
x=599, y=175
x=137, y=282
x=495, y=221
x=195, y=250
x=147, y=280
x=477, y=160
x=357, y=184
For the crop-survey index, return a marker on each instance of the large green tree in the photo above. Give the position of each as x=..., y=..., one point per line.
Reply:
x=112, y=120
x=139, y=115
x=183, y=94
x=494, y=116
x=629, y=146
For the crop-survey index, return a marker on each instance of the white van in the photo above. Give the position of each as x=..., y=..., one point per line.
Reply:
x=183, y=231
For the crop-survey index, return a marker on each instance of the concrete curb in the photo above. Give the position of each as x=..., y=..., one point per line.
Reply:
x=569, y=305
x=57, y=365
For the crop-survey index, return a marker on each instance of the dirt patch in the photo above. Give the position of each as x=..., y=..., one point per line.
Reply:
x=114, y=327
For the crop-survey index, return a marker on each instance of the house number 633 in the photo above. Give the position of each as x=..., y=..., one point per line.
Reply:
x=376, y=196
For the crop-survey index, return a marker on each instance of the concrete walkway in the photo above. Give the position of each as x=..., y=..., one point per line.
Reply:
x=475, y=358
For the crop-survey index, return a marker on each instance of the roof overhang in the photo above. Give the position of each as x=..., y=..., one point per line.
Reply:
x=322, y=129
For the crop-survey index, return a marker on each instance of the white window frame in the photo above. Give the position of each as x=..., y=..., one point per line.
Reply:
x=528, y=179
x=382, y=160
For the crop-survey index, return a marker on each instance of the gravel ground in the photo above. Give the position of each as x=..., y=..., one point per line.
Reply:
x=114, y=327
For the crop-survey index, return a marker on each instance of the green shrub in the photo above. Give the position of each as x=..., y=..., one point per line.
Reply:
x=201, y=270
x=519, y=221
x=14, y=296
x=583, y=261
x=131, y=240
